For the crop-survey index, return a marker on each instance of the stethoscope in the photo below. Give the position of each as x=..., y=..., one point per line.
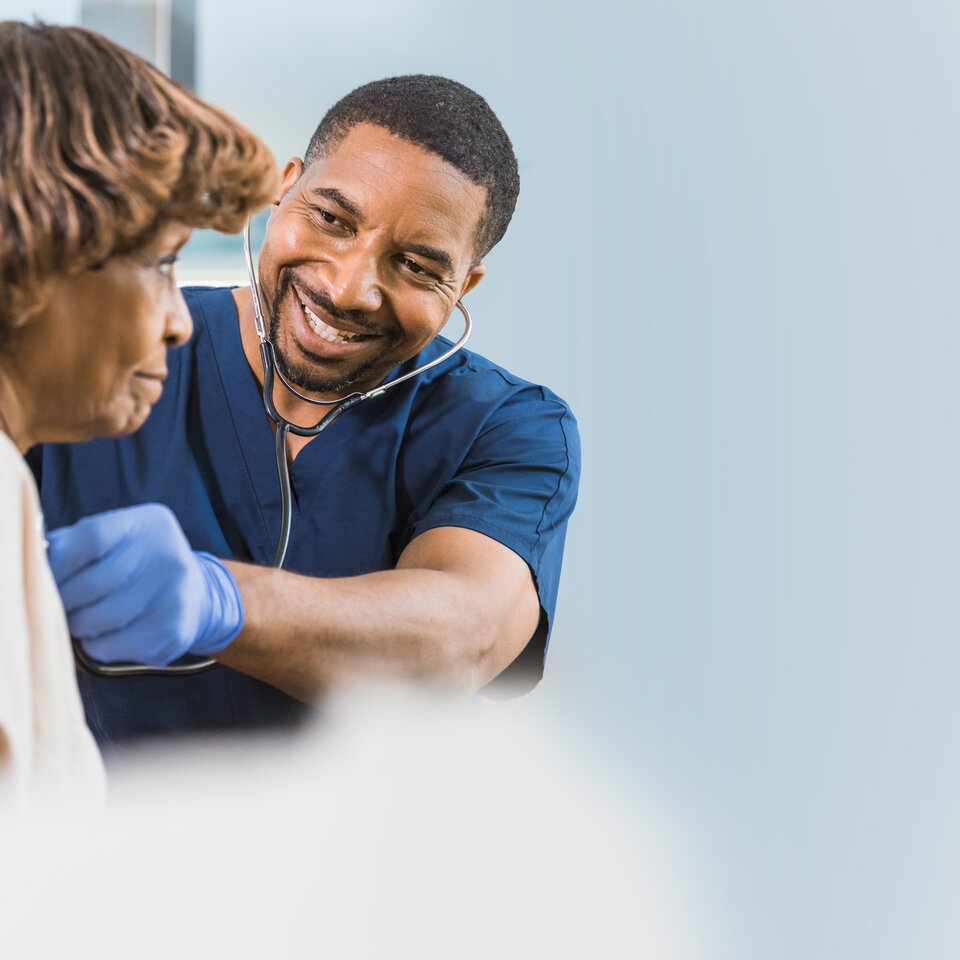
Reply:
x=281, y=428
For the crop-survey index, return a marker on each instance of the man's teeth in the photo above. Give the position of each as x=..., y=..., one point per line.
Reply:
x=331, y=334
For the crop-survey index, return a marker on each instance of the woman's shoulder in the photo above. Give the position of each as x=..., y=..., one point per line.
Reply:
x=13, y=468
x=20, y=517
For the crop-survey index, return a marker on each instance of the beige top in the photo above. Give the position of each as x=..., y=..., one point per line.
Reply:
x=46, y=751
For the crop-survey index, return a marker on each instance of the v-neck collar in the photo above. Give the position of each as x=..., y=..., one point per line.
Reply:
x=243, y=398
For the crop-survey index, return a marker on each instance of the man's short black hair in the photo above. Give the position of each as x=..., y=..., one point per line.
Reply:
x=442, y=116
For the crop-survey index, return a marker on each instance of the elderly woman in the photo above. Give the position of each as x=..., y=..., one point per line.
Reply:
x=105, y=166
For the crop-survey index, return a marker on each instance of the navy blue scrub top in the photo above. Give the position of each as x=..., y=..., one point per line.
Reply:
x=466, y=444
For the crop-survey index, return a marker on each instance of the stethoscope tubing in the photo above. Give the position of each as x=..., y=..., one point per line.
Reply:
x=281, y=427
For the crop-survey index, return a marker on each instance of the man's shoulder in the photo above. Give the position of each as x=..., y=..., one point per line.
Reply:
x=471, y=377
x=209, y=305
x=214, y=314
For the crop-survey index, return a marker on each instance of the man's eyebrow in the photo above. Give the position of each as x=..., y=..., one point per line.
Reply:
x=432, y=253
x=332, y=193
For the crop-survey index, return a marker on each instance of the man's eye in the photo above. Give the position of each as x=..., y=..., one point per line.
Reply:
x=414, y=267
x=327, y=216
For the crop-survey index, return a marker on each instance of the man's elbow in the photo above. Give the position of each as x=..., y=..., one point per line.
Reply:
x=483, y=646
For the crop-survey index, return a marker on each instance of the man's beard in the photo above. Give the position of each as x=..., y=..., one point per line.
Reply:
x=313, y=377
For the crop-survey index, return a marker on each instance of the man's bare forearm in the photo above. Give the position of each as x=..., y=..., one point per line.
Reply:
x=303, y=634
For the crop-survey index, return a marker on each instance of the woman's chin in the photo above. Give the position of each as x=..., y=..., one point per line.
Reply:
x=120, y=423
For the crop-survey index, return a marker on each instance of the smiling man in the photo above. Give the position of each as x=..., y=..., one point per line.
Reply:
x=428, y=523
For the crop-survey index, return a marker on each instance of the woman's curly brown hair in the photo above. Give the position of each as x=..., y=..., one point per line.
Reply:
x=97, y=150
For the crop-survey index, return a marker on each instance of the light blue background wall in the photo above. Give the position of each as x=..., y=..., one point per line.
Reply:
x=736, y=255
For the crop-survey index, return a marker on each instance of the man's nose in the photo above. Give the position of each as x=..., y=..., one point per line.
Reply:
x=179, y=324
x=353, y=279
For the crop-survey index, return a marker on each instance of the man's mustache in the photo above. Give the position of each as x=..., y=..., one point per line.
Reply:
x=322, y=299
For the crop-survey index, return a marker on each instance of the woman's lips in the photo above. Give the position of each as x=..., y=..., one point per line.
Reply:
x=154, y=381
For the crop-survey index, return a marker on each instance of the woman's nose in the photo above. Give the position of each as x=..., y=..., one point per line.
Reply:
x=179, y=325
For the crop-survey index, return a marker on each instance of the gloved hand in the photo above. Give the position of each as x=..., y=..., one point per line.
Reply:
x=135, y=591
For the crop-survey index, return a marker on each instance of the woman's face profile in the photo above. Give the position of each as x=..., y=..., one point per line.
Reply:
x=95, y=355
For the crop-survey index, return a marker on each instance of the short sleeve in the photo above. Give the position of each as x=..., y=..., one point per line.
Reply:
x=518, y=485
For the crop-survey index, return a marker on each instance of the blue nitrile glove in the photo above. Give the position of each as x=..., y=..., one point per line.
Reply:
x=135, y=591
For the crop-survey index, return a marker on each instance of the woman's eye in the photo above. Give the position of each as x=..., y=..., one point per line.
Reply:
x=165, y=266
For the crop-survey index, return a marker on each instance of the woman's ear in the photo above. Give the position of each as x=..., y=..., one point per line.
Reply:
x=20, y=316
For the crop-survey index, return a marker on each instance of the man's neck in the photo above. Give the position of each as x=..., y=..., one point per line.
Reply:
x=288, y=406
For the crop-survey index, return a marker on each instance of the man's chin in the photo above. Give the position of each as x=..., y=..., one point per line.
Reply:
x=320, y=375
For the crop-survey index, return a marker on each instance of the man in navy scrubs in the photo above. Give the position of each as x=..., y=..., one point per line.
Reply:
x=428, y=524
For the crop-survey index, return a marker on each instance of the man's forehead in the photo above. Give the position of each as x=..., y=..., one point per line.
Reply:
x=365, y=141
x=370, y=171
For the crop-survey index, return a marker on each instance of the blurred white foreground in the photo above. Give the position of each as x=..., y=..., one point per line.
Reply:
x=400, y=828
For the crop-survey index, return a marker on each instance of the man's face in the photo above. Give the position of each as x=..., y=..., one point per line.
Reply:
x=365, y=258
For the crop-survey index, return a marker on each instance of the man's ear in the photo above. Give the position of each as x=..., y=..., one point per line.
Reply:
x=472, y=279
x=291, y=174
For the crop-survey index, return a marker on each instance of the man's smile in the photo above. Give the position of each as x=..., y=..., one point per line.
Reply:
x=317, y=335
x=332, y=334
